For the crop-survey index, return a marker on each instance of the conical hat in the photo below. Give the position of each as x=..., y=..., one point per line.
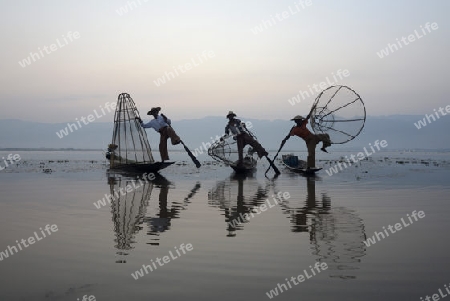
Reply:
x=230, y=113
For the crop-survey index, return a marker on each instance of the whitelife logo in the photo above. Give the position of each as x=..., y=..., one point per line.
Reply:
x=31, y=240
x=391, y=48
x=34, y=56
x=315, y=89
x=11, y=158
x=242, y=218
x=206, y=55
x=123, y=191
x=266, y=24
x=161, y=261
x=131, y=5
x=296, y=280
x=430, y=118
x=398, y=226
x=437, y=297
x=73, y=127
x=355, y=159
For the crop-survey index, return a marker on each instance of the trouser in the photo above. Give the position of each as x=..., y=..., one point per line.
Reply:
x=166, y=133
x=311, y=142
x=242, y=140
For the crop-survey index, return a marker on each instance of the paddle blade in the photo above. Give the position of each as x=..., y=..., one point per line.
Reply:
x=194, y=159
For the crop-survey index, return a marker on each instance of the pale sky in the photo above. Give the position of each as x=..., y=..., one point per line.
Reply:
x=251, y=74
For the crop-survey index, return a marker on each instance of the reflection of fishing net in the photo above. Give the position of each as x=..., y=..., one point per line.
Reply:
x=129, y=143
x=128, y=210
x=226, y=151
x=340, y=112
x=337, y=236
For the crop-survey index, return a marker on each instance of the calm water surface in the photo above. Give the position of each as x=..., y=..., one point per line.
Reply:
x=325, y=219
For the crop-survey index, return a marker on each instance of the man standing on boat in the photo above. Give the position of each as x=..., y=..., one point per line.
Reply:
x=239, y=130
x=161, y=124
x=311, y=139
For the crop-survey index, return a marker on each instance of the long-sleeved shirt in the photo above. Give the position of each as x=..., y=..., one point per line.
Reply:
x=157, y=123
x=301, y=131
x=235, y=127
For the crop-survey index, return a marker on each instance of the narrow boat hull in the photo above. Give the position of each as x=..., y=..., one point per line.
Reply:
x=292, y=163
x=142, y=168
x=248, y=166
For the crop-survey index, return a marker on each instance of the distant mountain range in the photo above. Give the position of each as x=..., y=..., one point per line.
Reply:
x=400, y=131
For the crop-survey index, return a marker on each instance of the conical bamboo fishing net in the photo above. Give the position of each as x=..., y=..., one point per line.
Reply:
x=129, y=144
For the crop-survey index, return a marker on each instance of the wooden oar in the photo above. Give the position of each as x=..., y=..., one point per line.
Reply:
x=194, y=159
x=277, y=171
x=281, y=146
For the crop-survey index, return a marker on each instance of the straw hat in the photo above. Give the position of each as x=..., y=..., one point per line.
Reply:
x=230, y=113
x=298, y=117
x=154, y=110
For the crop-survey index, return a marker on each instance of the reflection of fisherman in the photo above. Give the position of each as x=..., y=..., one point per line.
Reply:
x=311, y=139
x=236, y=216
x=162, y=223
x=161, y=124
x=300, y=215
x=239, y=130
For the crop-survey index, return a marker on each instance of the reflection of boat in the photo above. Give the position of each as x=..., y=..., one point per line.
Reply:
x=132, y=208
x=336, y=234
x=294, y=164
x=130, y=149
x=237, y=199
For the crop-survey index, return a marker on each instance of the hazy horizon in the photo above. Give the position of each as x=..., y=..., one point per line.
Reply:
x=195, y=132
x=225, y=120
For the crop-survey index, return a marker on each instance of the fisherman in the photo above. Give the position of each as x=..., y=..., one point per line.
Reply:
x=242, y=137
x=311, y=139
x=161, y=124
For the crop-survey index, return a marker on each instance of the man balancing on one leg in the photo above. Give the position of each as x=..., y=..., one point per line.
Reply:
x=239, y=130
x=161, y=124
x=311, y=139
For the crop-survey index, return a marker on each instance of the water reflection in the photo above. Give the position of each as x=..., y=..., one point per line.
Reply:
x=128, y=210
x=336, y=234
x=132, y=208
x=237, y=195
x=161, y=213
